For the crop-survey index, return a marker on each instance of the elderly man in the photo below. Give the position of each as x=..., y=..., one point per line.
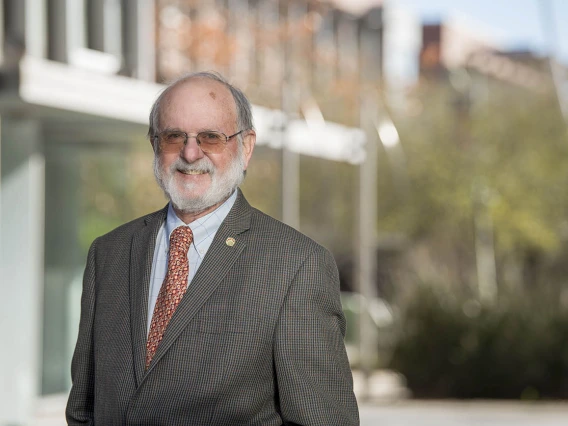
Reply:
x=209, y=312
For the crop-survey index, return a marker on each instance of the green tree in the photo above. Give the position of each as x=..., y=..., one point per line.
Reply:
x=507, y=152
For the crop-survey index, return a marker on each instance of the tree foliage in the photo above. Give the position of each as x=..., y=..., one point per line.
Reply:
x=504, y=153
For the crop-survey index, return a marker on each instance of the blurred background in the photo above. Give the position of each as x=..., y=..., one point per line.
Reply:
x=423, y=142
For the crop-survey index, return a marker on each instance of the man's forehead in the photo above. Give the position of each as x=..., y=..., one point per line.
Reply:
x=198, y=87
x=200, y=92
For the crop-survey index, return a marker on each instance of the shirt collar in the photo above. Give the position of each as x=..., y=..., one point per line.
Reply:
x=204, y=228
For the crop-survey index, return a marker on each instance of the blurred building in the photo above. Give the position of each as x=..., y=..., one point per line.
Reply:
x=77, y=79
x=452, y=45
x=311, y=43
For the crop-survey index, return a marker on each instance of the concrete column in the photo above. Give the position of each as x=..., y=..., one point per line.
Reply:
x=64, y=263
x=21, y=267
x=58, y=35
x=36, y=28
x=140, y=38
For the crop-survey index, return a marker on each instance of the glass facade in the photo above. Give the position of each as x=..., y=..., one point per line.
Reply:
x=90, y=189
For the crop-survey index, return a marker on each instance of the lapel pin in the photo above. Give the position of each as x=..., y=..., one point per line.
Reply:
x=230, y=241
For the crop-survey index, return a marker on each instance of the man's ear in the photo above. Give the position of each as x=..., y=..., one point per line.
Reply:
x=249, y=140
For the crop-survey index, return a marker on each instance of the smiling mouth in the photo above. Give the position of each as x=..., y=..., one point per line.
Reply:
x=192, y=172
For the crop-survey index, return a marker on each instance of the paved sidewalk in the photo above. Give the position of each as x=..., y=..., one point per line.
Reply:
x=389, y=411
x=458, y=413
x=388, y=405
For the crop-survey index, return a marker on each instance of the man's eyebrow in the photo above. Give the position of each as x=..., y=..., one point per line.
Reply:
x=201, y=130
x=172, y=129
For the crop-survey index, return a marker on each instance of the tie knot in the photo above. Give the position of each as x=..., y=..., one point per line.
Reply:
x=181, y=238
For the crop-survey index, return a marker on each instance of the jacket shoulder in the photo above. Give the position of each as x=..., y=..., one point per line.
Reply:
x=126, y=230
x=274, y=230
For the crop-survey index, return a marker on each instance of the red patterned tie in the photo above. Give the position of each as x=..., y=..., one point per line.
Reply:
x=172, y=289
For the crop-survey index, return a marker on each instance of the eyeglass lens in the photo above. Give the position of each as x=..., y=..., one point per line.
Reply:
x=209, y=142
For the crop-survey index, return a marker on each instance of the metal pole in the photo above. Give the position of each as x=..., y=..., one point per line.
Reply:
x=484, y=244
x=290, y=160
x=366, y=239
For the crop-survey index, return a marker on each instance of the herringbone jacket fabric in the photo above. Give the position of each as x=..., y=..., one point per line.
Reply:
x=256, y=340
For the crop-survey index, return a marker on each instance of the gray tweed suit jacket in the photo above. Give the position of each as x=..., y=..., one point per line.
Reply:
x=256, y=340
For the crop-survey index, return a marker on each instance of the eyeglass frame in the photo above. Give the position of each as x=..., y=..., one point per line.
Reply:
x=189, y=135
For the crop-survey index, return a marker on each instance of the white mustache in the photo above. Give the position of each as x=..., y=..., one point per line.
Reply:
x=202, y=165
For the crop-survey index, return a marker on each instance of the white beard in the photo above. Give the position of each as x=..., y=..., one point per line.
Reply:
x=222, y=185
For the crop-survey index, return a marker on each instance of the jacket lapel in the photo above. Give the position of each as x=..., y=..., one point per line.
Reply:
x=141, y=258
x=217, y=262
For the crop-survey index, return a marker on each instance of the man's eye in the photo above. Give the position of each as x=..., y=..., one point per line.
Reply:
x=174, y=137
x=210, y=137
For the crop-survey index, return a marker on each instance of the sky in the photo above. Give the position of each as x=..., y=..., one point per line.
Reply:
x=510, y=23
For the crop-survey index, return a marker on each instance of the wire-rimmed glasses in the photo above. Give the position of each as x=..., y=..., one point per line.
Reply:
x=210, y=141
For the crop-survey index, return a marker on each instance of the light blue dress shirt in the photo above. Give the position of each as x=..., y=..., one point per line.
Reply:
x=204, y=229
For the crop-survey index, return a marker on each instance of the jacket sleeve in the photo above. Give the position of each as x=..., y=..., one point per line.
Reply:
x=315, y=385
x=81, y=399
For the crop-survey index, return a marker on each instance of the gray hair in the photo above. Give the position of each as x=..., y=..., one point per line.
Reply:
x=243, y=106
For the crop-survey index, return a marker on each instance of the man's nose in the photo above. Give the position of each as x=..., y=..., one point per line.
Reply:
x=191, y=151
